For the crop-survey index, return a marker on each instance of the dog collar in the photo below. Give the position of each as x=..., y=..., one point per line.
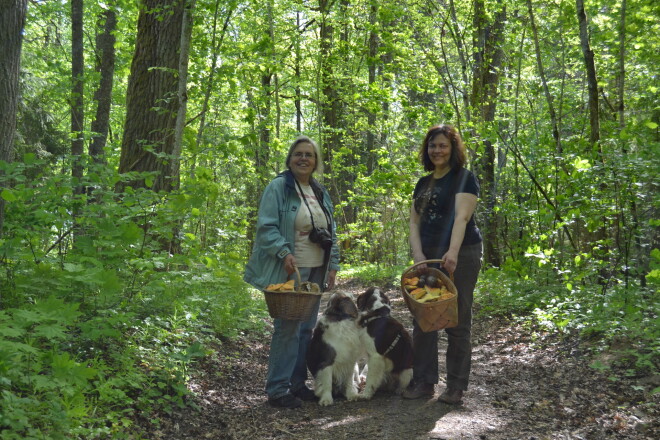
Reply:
x=370, y=319
x=393, y=344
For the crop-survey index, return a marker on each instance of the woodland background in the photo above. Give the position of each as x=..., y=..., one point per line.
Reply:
x=136, y=138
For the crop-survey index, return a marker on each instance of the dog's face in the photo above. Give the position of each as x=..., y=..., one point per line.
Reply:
x=372, y=299
x=340, y=306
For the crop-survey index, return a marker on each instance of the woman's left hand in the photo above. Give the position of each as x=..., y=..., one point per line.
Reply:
x=451, y=260
x=332, y=278
x=289, y=264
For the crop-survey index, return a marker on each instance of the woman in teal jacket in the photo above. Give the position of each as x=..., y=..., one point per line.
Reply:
x=282, y=243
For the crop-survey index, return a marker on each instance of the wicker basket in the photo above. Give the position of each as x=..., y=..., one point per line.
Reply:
x=434, y=315
x=297, y=306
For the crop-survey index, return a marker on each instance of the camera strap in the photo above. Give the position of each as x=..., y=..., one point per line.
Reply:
x=302, y=195
x=326, y=252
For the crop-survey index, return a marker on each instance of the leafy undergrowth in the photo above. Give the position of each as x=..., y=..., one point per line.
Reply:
x=527, y=382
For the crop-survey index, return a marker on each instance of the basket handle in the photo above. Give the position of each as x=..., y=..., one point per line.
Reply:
x=439, y=260
x=299, y=278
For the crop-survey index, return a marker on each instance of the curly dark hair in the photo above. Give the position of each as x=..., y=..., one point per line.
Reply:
x=458, y=157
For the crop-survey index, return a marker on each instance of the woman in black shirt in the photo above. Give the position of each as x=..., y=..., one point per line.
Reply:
x=442, y=226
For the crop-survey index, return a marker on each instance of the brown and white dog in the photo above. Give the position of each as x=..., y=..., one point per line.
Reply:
x=334, y=351
x=387, y=343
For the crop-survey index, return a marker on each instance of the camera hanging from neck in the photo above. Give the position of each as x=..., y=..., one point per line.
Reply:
x=320, y=236
x=302, y=195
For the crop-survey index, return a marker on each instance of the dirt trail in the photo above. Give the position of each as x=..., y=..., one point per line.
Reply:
x=523, y=386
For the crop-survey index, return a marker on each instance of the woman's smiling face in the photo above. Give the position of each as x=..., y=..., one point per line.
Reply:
x=439, y=151
x=303, y=161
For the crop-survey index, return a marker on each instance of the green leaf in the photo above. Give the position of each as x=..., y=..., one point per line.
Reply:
x=50, y=331
x=19, y=347
x=654, y=275
x=9, y=331
x=8, y=195
x=27, y=317
x=131, y=232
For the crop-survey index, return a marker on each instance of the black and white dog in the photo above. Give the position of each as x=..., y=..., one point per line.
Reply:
x=335, y=349
x=387, y=343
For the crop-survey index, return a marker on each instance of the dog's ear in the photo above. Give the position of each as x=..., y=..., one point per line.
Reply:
x=348, y=307
x=361, y=299
x=383, y=297
x=334, y=302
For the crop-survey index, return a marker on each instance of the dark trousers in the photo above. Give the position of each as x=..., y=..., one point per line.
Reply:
x=459, y=349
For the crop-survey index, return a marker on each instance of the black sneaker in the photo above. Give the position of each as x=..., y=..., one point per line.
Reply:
x=305, y=394
x=285, y=401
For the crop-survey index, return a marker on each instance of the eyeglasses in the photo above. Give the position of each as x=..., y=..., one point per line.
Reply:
x=300, y=155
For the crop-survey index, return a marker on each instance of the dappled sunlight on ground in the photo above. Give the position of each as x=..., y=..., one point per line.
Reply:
x=522, y=387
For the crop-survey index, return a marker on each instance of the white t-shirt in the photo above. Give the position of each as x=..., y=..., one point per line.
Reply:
x=308, y=254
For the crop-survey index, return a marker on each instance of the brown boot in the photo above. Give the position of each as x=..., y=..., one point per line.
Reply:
x=451, y=396
x=418, y=391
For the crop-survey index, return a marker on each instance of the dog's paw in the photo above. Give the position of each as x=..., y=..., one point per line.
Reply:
x=368, y=393
x=325, y=400
x=365, y=396
x=352, y=397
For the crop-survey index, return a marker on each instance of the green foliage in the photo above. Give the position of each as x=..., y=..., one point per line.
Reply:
x=42, y=386
x=373, y=274
x=653, y=277
x=98, y=319
x=141, y=279
x=617, y=314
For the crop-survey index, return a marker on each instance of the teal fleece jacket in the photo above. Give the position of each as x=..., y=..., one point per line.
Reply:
x=275, y=235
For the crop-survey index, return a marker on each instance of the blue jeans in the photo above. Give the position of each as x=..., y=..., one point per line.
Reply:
x=287, y=364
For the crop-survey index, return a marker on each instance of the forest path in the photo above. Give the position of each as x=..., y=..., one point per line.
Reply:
x=524, y=385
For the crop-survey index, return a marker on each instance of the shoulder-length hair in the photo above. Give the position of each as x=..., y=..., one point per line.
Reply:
x=317, y=152
x=458, y=157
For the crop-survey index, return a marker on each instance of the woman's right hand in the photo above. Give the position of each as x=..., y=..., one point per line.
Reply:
x=290, y=264
x=414, y=238
x=418, y=256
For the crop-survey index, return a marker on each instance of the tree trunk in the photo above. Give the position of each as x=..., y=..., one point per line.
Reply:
x=592, y=81
x=12, y=22
x=328, y=107
x=77, y=91
x=642, y=269
x=331, y=110
x=151, y=98
x=458, y=40
x=372, y=69
x=544, y=82
x=182, y=93
x=298, y=57
x=488, y=55
x=262, y=153
x=601, y=247
x=622, y=70
x=216, y=44
x=329, y=102
x=105, y=65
